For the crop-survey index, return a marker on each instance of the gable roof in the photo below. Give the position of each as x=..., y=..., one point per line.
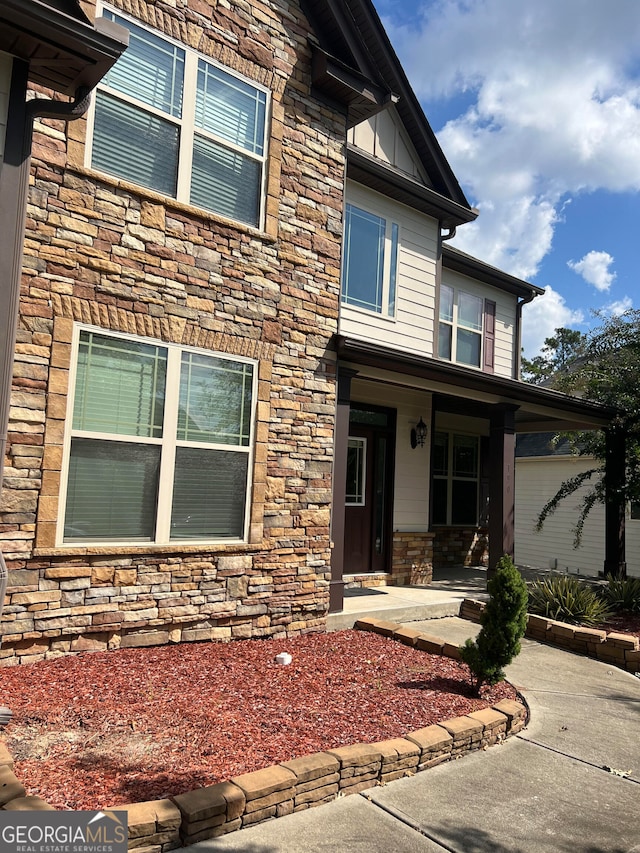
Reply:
x=355, y=64
x=542, y=444
x=465, y=264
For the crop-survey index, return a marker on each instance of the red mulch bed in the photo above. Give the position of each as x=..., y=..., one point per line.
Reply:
x=108, y=728
x=623, y=623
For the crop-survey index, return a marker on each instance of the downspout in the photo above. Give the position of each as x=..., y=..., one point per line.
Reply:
x=517, y=350
x=13, y=204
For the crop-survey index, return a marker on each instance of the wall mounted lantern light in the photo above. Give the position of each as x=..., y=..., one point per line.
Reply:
x=419, y=434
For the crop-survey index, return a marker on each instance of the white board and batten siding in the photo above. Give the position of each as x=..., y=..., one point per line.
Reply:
x=383, y=136
x=537, y=480
x=506, y=310
x=6, y=63
x=412, y=327
x=411, y=480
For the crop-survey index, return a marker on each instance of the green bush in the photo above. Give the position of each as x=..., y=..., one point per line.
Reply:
x=503, y=621
x=567, y=599
x=622, y=594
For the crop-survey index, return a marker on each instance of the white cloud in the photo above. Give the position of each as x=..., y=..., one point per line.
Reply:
x=594, y=268
x=542, y=317
x=619, y=306
x=555, y=109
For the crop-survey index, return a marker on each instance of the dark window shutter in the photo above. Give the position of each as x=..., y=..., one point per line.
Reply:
x=489, y=336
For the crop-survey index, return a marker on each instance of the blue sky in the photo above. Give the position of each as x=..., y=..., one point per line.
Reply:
x=536, y=104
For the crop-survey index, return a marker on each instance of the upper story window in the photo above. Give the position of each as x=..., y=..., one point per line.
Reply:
x=370, y=261
x=460, y=328
x=159, y=443
x=171, y=120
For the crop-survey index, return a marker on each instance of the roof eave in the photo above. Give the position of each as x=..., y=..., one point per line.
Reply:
x=458, y=261
x=377, y=175
x=64, y=52
x=554, y=410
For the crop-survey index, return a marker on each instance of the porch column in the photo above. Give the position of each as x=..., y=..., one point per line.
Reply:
x=614, y=507
x=502, y=452
x=340, y=445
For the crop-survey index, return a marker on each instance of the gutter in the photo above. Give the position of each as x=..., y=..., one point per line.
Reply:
x=517, y=350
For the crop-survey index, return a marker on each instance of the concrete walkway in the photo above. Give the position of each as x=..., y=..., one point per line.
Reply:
x=569, y=782
x=440, y=598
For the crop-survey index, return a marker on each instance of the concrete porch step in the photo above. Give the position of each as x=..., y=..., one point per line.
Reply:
x=396, y=612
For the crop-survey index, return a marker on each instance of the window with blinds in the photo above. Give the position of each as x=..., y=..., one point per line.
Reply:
x=160, y=443
x=168, y=119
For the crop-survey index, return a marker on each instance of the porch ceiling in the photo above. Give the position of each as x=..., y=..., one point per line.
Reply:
x=537, y=409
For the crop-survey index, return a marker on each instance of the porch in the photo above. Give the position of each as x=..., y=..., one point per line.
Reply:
x=442, y=597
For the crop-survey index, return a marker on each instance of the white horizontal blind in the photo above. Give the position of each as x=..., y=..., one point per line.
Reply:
x=119, y=386
x=151, y=69
x=229, y=108
x=156, y=93
x=112, y=491
x=142, y=450
x=135, y=145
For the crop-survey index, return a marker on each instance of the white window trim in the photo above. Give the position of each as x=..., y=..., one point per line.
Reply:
x=169, y=442
x=454, y=325
x=449, y=478
x=383, y=314
x=186, y=123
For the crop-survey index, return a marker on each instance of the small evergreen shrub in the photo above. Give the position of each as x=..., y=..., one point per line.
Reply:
x=503, y=621
x=622, y=594
x=567, y=599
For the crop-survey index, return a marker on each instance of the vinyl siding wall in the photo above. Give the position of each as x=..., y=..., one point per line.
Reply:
x=505, y=317
x=412, y=328
x=537, y=480
x=411, y=481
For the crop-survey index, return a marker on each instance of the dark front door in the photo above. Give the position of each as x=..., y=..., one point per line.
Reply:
x=369, y=490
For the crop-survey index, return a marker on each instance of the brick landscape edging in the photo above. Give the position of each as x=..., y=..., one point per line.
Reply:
x=621, y=650
x=302, y=783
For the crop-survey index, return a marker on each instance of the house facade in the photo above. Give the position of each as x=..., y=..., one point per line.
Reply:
x=249, y=368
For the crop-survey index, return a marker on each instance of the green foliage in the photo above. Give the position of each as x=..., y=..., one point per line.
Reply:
x=503, y=621
x=567, y=599
x=557, y=353
x=604, y=368
x=622, y=594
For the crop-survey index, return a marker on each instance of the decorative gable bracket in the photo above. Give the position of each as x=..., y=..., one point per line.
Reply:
x=339, y=82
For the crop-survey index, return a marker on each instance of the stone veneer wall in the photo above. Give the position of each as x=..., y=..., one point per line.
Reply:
x=412, y=558
x=103, y=252
x=460, y=546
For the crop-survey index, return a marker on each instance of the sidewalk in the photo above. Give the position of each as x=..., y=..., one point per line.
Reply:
x=555, y=787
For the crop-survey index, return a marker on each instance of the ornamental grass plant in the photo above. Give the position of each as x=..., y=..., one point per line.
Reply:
x=567, y=599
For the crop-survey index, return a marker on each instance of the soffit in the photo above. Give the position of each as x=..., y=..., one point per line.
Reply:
x=64, y=50
x=536, y=409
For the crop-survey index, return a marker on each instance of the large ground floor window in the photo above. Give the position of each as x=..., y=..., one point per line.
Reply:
x=159, y=444
x=456, y=459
